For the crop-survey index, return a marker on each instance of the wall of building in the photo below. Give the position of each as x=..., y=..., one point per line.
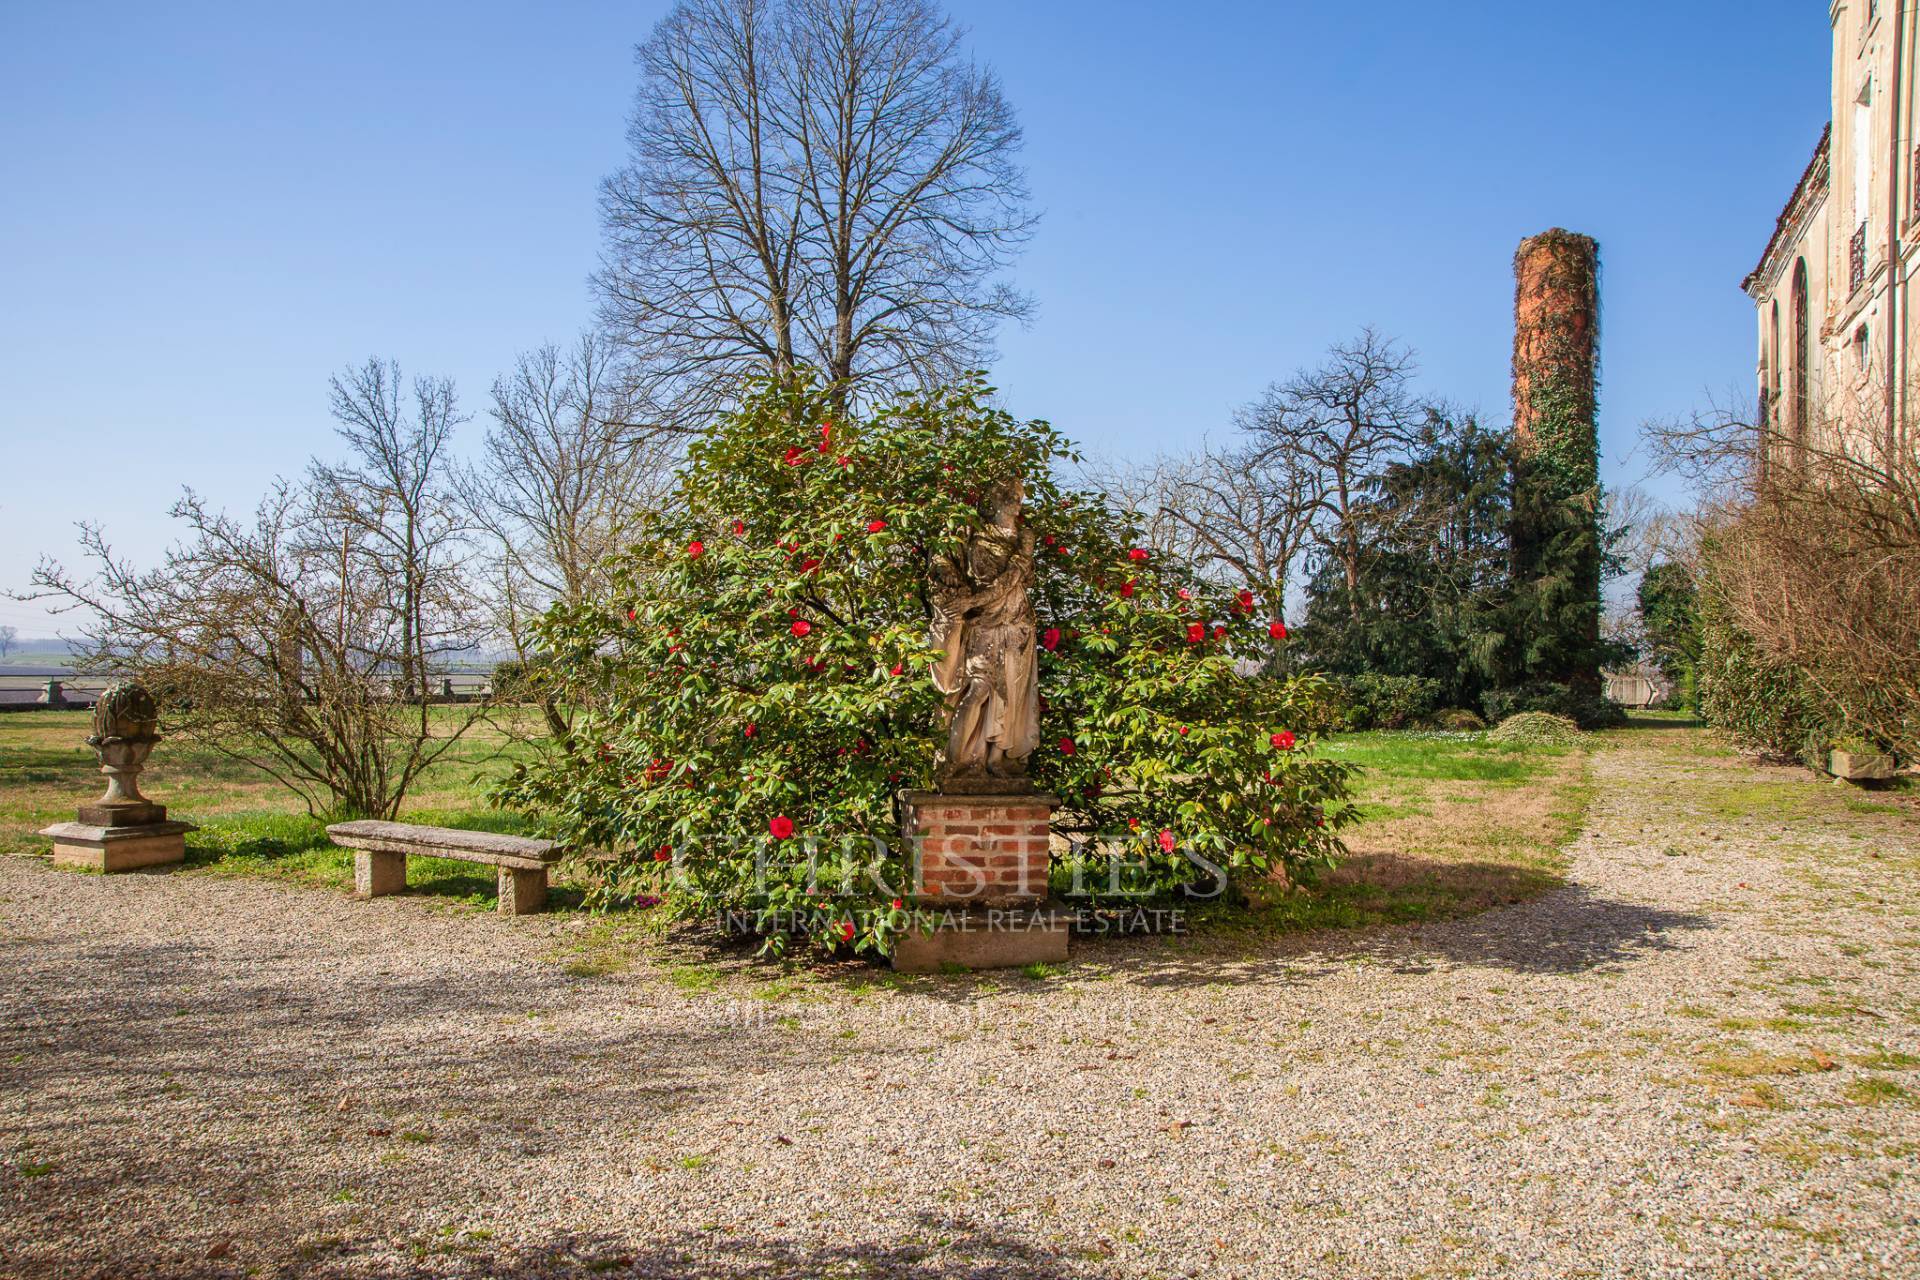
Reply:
x=1851, y=225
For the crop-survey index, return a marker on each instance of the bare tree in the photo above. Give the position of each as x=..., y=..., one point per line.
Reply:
x=811, y=182
x=1240, y=514
x=1337, y=427
x=277, y=643
x=1643, y=529
x=395, y=494
x=564, y=471
x=7, y=637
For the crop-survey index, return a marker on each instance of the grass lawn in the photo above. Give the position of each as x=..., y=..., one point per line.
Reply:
x=1451, y=823
x=249, y=825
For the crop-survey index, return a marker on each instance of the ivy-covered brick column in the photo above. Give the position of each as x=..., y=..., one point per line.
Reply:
x=1557, y=548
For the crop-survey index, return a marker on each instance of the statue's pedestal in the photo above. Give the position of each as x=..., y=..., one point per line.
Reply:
x=980, y=865
x=90, y=847
x=984, y=938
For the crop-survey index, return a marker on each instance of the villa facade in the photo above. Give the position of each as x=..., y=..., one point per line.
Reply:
x=1832, y=289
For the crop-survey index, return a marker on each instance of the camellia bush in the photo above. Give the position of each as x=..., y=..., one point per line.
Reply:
x=758, y=693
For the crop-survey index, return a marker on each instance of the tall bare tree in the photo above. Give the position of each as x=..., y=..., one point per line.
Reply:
x=565, y=468
x=1239, y=513
x=818, y=182
x=7, y=637
x=1338, y=426
x=396, y=494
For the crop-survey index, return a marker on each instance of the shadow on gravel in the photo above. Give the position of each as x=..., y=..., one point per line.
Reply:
x=966, y=1251
x=170, y=1021
x=1568, y=931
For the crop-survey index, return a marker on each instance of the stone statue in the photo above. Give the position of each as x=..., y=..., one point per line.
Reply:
x=126, y=722
x=983, y=624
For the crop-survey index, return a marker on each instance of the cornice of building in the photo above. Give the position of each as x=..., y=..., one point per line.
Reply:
x=1807, y=194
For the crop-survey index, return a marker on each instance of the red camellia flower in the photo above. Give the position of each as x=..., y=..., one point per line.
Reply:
x=696, y=549
x=1283, y=740
x=780, y=828
x=663, y=853
x=1126, y=589
x=1196, y=632
x=1184, y=594
x=846, y=932
x=795, y=456
x=1278, y=630
x=809, y=564
x=1219, y=632
x=1137, y=554
x=875, y=526
x=739, y=528
x=897, y=904
x=843, y=460
x=750, y=730
x=1066, y=746
x=825, y=446
x=898, y=667
x=630, y=615
x=801, y=627
x=1166, y=842
x=1245, y=601
x=1049, y=539
x=1050, y=639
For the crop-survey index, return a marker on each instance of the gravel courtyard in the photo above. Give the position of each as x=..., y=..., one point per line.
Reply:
x=1697, y=1058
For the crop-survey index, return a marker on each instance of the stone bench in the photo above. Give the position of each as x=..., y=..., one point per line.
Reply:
x=380, y=852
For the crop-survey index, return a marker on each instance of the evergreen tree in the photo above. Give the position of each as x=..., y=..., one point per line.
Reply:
x=1669, y=610
x=1433, y=563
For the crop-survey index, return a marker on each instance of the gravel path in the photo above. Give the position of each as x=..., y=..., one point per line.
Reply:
x=1696, y=1059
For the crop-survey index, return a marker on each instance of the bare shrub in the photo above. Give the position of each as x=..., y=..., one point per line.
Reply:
x=305, y=641
x=1811, y=549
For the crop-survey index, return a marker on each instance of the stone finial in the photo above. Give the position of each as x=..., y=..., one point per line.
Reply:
x=122, y=830
x=126, y=712
x=126, y=724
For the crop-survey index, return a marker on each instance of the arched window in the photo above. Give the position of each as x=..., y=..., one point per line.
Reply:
x=1802, y=356
x=1773, y=361
x=1770, y=388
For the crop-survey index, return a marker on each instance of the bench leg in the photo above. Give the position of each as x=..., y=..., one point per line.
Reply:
x=522, y=892
x=377, y=874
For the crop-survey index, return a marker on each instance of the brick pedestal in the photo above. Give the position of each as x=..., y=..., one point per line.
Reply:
x=979, y=866
x=979, y=851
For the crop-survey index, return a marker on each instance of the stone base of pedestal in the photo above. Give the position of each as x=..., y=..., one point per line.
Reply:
x=985, y=939
x=87, y=847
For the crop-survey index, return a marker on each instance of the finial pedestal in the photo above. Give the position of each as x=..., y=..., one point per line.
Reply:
x=122, y=830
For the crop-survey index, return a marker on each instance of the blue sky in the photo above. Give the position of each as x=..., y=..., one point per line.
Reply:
x=206, y=209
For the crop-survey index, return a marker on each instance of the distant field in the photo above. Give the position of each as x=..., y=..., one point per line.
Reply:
x=32, y=661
